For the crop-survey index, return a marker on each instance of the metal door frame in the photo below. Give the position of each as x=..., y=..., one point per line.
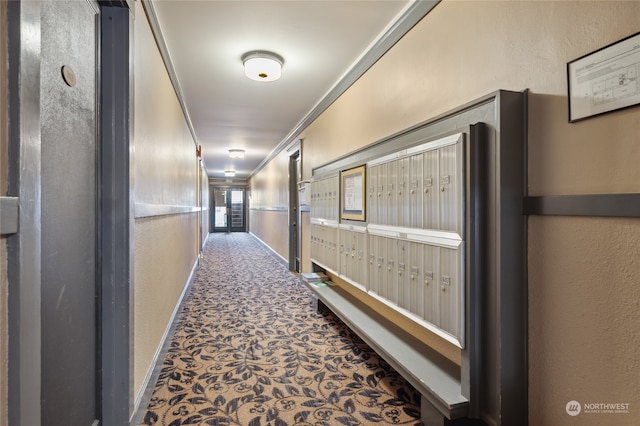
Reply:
x=294, y=211
x=116, y=214
x=25, y=183
x=114, y=387
x=229, y=227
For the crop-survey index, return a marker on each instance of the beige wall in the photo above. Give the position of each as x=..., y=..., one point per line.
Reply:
x=164, y=256
x=584, y=273
x=165, y=153
x=270, y=187
x=4, y=155
x=269, y=204
x=272, y=227
x=165, y=248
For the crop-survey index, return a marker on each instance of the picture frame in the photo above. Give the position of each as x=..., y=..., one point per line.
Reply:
x=604, y=80
x=352, y=194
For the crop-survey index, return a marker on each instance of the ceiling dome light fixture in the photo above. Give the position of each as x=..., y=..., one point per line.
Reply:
x=236, y=153
x=261, y=65
x=229, y=173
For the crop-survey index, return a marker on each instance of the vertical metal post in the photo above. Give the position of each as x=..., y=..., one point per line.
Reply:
x=24, y=248
x=116, y=217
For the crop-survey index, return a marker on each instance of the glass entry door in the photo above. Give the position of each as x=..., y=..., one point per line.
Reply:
x=228, y=210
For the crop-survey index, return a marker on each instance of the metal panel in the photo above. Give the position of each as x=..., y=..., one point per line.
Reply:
x=451, y=183
x=334, y=184
x=402, y=202
x=471, y=366
x=116, y=215
x=392, y=192
x=330, y=235
x=372, y=194
x=451, y=286
x=317, y=190
x=345, y=251
x=322, y=210
x=430, y=191
x=312, y=244
x=415, y=190
x=376, y=263
x=431, y=280
x=313, y=188
x=389, y=289
x=382, y=194
x=322, y=245
x=327, y=198
x=414, y=293
x=361, y=258
x=69, y=158
x=24, y=248
x=510, y=309
x=398, y=294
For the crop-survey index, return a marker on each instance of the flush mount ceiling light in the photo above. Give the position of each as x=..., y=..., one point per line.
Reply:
x=229, y=173
x=236, y=153
x=261, y=65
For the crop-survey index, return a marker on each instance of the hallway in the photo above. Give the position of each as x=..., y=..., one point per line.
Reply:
x=250, y=349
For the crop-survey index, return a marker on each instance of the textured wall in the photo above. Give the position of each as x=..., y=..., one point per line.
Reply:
x=165, y=248
x=165, y=153
x=165, y=253
x=584, y=302
x=269, y=204
x=270, y=187
x=4, y=334
x=272, y=227
x=583, y=274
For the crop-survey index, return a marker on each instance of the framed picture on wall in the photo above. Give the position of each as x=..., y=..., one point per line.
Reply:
x=605, y=80
x=352, y=199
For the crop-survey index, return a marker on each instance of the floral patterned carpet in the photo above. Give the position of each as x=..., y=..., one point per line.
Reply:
x=250, y=349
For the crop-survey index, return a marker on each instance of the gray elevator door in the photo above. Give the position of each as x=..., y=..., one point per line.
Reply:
x=68, y=120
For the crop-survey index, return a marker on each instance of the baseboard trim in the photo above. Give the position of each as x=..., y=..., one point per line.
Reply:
x=144, y=396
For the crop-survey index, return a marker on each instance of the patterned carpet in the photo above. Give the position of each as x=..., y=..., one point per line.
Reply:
x=250, y=349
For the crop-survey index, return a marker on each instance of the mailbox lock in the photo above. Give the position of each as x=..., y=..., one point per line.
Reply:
x=426, y=190
x=444, y=289
x=442, y=189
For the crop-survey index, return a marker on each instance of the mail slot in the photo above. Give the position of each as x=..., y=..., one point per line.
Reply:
x=431, y=305
x=450, y=286
x=415, y=191
x=430, y=206
x=403, y=184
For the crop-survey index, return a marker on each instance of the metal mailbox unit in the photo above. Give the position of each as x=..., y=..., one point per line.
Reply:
x=439, y=219
x=443, y=243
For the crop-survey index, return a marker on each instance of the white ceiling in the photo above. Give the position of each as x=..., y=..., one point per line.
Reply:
x=324, y=45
